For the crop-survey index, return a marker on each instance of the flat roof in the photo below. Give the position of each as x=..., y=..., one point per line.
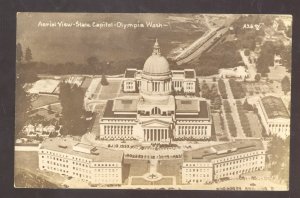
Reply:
x=84, y=146
x=187, y=105
x=125, y=105
x=129, y=73
x=274, y=107
x=65, y=145
x=178, y=73
x=203, y=113
x=209, y=153
x=189, y=73
x=109, y=113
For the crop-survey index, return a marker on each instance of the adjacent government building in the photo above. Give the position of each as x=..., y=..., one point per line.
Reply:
x=156, y=115
x=228, y=160
x=88, y=163
x=274, y=115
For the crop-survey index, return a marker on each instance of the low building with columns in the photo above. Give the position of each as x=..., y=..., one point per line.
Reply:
x=223, y=161
x=274, y=116
x=156, y=115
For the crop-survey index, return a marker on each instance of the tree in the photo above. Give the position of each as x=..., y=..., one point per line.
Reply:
x=19, y=52
x=205, y=90
x=247, y=106
x=257, y=77
x=285, y=85
x=22, y=106
x=278, y=151
x=104, y=81
x=28, y=55
x=49, y=109
x=94, y=64
x=247, y=52
x=289, y=32
x=72, y=99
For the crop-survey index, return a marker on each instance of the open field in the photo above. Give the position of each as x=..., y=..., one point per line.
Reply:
x=28, y=179
x=26, y=160
x=43, y=100
x=26, y=165
x=44, y=86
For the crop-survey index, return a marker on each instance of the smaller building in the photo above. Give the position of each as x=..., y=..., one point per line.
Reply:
x=86, y=162
x=182, y=80
x=274, y=115
x=236, y=72
x=223, y=161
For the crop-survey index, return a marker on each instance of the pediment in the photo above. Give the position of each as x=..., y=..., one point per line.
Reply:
x=155, y=123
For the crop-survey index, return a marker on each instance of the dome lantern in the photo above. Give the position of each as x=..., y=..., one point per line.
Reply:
x=156, y=48
x=156, y=64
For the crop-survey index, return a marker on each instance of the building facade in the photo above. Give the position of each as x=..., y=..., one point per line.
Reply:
x=88, y=163
x=229, y=160
x=274, y=115
x=156, y=115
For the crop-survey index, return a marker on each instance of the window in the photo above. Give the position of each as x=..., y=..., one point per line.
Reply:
x=156, y=111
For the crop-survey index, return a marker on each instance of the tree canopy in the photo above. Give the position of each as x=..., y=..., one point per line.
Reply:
x=22, y=106
x=72, y=99
x=286, y=85
x=28, y=55
x=278, y=151
x=19, y=52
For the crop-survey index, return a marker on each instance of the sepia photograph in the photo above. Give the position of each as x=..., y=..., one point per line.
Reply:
x=153, y=101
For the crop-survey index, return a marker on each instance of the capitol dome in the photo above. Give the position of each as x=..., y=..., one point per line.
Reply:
x=156, y=64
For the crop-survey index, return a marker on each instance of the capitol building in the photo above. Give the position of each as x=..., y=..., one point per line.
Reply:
x=156, y=114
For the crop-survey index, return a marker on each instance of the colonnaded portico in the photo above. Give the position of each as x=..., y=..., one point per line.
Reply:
x=152, y=135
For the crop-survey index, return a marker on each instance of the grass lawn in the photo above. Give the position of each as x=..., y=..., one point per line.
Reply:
x=43, y=112
x=255, y=125
x=43, y=100
x=219, y=129
x=140, y=181
x=28, y=179
x=110, y=91
x=26, y=168
x=26, y=160
x=164, y=181
x=86, y=83
x=170, y=168
x=135, y=167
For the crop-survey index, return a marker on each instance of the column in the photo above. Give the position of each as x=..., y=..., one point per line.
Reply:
x=147, y=134
x=155, y=134
x=158, y=134
x=151, y=134
x=166, y=134
x=163, y=134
